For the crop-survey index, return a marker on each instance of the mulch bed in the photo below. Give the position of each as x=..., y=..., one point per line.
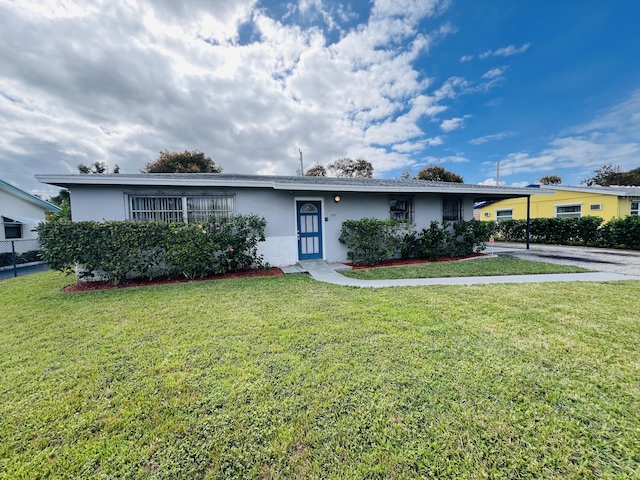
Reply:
x=142, y=282
x=399, y=262
x=273, y=271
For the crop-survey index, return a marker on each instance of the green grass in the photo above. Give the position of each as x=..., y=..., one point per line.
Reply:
x=285, y=377
x=476, y=267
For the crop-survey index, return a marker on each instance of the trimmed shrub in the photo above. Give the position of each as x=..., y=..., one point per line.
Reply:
x=117, y=250
x=433, y=241
x=371, y=240
x=470, y=237
x=622, y=232
x=511, y=230
x=221, y=245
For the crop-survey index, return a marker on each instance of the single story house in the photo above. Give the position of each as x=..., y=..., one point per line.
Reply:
x=567, y=201
x=20, y=212
x=304, y=214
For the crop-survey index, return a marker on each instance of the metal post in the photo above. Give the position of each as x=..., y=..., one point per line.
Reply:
x=13, y=258
x=528, y=220
x=301, y=164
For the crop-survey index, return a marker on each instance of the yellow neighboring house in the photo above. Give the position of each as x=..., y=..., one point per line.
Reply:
x=605, y=202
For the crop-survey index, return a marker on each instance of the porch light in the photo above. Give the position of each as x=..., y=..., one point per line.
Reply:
x=336, y=198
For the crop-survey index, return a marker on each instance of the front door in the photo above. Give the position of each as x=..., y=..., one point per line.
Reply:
x=309, y=230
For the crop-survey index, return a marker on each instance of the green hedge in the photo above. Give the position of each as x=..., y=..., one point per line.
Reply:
x=589, y=230
x=6, y=259
x=371, y=240
x=118, y=250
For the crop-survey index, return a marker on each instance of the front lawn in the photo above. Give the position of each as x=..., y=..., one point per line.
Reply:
x=286, y=377
x=473, y=267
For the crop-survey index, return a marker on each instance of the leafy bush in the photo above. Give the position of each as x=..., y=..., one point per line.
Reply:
x=433, y=241
x=219, y=246
x=370, y=240
x=622, y=232
x=470, y=237
x=588, y=230
x=6, y=259
x=511, y=230
x=117, y=250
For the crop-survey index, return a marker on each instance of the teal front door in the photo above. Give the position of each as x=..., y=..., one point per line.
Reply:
x=309, y=230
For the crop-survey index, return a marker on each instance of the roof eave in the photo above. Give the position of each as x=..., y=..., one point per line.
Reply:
x=468, y=189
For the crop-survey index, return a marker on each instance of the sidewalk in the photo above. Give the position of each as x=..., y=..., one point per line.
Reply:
x=328, y=273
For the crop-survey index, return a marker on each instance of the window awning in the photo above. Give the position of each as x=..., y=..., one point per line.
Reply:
x=21, y=219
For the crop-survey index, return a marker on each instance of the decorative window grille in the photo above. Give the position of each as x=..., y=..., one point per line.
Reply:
x=504, y=214
x=173, y=209
x=401, y=207
x=199, y=209
x=452, y=208
x=568, y=211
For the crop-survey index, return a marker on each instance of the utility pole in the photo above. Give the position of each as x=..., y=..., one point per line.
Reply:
x=301, y=164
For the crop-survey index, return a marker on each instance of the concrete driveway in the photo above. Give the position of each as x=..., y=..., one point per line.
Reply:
x=626, y=262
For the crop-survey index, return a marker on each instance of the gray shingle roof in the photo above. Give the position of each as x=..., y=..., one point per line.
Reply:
x=279, y=182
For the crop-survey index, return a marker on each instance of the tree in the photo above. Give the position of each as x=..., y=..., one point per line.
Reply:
x=317, y=170
x=436, y=173
x=632, y=177
x=63, y=195
x=63, y=200
x=186, y=162
x=406, y=174
x=604, y=176
x=550, y=180
x=95, y=168
x=346, y=167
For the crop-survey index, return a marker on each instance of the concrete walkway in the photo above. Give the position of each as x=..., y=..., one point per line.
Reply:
x=328, y=273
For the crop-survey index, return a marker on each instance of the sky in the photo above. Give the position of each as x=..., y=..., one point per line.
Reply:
x=539, y=88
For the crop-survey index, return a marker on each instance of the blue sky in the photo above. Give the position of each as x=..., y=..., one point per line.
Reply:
x=541, y=87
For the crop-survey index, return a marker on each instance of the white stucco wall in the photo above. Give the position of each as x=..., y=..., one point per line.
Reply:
x=12, y=206
x=277, y=206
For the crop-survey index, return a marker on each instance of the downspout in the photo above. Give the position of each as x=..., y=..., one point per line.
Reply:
x=528, y=235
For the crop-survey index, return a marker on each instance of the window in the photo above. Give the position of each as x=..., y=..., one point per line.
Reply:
x=506, y=214
x=401, y=207
x=12, y=229
x=567, y=211
x=597, y=206
x=452, y=208
x=634, y=208
x=180, y=209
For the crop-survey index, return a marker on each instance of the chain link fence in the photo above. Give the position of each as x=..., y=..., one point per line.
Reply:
x=18, y=257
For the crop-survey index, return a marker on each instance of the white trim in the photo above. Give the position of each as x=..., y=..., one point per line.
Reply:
x=573, y=204
x=321, y=219
x=503, y=210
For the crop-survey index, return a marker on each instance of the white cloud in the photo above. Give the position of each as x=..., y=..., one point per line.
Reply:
x=118, y=82
x=613, y=137
x=505, y=51
x=446, y=159
x=453, y=123
x=494, y=72
x=490, y=181
x=490, y=138
x=466, y=58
